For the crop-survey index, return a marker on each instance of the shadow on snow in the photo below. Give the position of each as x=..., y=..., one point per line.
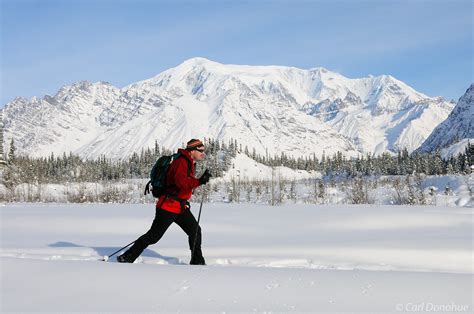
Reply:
x=105, y=251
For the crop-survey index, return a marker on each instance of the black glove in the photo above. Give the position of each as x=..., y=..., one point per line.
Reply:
x=205, y=177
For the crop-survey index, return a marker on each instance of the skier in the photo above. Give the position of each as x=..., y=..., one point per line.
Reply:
x=173, y=206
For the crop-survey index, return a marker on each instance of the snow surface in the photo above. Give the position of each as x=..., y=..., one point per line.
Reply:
x=292, y=258
x=245, y=168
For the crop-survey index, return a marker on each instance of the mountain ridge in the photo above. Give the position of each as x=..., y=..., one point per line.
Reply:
x=458, y=126
x=271, y=108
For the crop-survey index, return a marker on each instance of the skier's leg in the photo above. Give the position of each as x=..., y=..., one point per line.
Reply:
x=163, y=219
x=188, y=223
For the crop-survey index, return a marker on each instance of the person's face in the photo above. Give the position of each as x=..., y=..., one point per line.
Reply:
x=198, y=154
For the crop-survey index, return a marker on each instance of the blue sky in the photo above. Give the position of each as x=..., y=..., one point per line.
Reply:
x=47, y=44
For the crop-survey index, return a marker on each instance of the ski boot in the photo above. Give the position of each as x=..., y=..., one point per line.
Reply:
x=125, y=258
x=197, y=259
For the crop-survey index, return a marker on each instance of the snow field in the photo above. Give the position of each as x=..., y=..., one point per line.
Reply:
x=292, y=258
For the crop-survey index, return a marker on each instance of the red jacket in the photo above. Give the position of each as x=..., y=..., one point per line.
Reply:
x=179, y=182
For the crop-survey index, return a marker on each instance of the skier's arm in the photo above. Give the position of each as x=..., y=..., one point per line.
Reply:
x=182, y=180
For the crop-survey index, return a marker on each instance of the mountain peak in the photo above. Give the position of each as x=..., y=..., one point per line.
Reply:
x=320, y=70
x=197, y=62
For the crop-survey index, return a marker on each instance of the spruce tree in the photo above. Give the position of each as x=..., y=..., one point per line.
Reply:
x=12, y=151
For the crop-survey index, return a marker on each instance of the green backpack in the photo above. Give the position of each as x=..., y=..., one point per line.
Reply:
x=158, y=174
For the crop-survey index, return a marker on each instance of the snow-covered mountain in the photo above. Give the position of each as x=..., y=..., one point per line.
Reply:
x=458, y=128
x=273, y=109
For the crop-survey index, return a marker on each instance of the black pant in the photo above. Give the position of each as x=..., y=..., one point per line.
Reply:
x=163, y=219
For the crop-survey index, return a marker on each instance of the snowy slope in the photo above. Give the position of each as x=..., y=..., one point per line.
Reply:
x=314, y=259
x=245, y=168
x=63, y=123
x=269, y=108
x=456, y=148
x=458, y=127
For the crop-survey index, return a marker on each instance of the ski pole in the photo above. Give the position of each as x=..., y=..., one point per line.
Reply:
x=106, y=258
x=197, y=229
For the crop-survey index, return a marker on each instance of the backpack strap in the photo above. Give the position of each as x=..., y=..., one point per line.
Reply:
x=147, y=188
x=182, y=202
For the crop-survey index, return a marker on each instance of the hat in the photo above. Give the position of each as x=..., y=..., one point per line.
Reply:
x=193, y=144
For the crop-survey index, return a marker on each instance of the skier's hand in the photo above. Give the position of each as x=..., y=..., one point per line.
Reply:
x=205, y=177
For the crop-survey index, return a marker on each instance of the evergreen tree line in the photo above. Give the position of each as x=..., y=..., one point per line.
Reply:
x=385, y=164
x=71, y=168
